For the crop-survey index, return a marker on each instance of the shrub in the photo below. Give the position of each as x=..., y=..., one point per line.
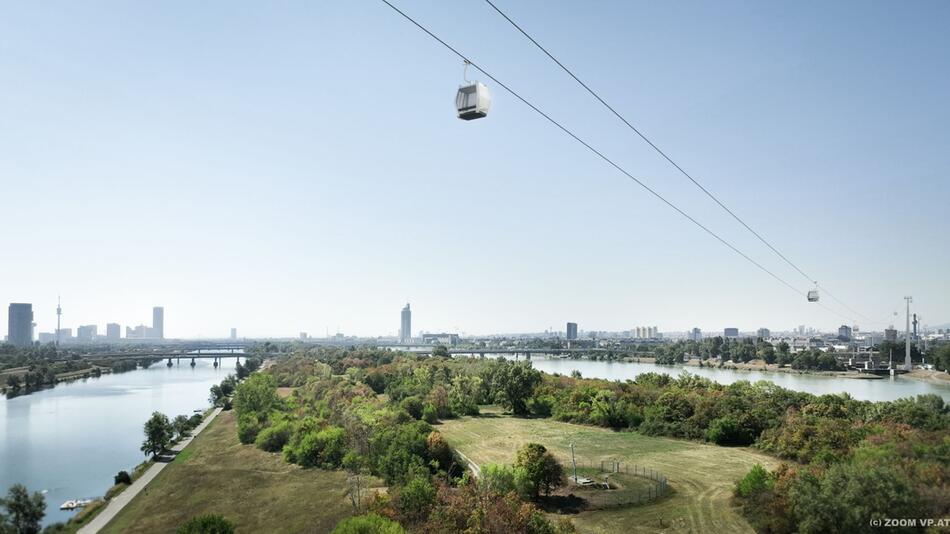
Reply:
x=367, y=524
x=755, y=481
x=429, y=414
x=122, y=477
x=413, y=406
x=416, y=498
x=728, y=431
x=274, y=437
x=207, y=524
x=248, y=427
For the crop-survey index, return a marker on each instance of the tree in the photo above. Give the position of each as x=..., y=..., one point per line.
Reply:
x=543, y=471
x=207, y=524
x=181, y=425
x=440, y=351
x=13, y=381
x=514, y=383
x=367, y=524
x=24, y=511
x=257, y=394
x=158, y=434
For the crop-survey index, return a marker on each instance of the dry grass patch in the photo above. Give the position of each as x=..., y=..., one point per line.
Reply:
x=701, y=477
x=257, y=491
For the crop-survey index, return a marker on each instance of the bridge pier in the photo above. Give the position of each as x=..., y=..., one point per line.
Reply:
x=215, y=361
x=178, y=360
x=192, y=362
x=169, y=364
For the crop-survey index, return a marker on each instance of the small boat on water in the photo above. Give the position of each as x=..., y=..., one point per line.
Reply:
x=72, y=504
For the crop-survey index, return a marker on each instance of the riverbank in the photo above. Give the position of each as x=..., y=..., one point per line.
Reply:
x=930, y=375
x=120, y=501
x=760, y=366
x=94, y=371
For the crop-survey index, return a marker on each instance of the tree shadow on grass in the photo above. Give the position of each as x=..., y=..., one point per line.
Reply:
x=562, y=504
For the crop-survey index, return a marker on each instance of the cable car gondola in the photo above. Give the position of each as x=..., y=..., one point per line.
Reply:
x=473, y=100
x=813, y=295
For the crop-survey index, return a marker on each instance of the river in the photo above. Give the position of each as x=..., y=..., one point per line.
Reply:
x=70, y=440
x=883, y=389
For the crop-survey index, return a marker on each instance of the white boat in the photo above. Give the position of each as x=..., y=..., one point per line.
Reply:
x=72, y=504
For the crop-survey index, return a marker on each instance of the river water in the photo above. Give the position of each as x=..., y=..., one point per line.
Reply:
x=883, y=389
x=69, y=441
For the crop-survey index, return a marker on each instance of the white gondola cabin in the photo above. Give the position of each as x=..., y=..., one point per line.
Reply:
x=813, y=295
x=472, y=101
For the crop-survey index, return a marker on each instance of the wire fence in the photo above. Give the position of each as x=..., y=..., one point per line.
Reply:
x=604, y=493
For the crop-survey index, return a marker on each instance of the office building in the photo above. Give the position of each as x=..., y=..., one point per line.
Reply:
x=20, y=324
x=113, y=332
x=86, y=332
x=844, y=333
x=731, y=333
x=46, y=337
x=64, y=335
x=158, y=322
x=571, y=331
x=440, y=339
x=139, y=332
x=234, y=333
x=763, y=333
x=696, y=334
x=405, y=325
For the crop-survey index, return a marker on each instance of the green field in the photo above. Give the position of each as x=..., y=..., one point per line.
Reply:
x=700, y=476
x=257, y=491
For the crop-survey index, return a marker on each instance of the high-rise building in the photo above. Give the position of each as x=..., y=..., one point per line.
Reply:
x=139, y=332
x=234, y=333
x=571, y=331
x=731, y=332
x=158, y=322
x=20, y=324
x=46, y=337
x=405, y=325
x=113, y=331
x=86, y=332
x=763, y=333
x=696, y=334
x=844, y=333
x=64, y=335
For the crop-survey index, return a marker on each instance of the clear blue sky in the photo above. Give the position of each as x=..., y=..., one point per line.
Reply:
x=288, y=166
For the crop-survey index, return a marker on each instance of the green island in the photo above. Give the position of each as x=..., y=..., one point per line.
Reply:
x=373, y=440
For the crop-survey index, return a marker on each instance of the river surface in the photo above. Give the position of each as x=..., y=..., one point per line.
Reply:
x=69, y=441
x=884, y=389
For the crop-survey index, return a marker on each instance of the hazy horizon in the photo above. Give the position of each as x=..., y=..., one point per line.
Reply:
x=300, y=168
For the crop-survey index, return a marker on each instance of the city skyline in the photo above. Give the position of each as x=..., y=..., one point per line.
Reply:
x=112, y=330
x=808, y=131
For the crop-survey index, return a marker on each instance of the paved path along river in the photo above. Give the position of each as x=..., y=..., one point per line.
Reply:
x=120, y=501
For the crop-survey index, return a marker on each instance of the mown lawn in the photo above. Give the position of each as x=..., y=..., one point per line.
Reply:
x=257, y=491
x=700, y=476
